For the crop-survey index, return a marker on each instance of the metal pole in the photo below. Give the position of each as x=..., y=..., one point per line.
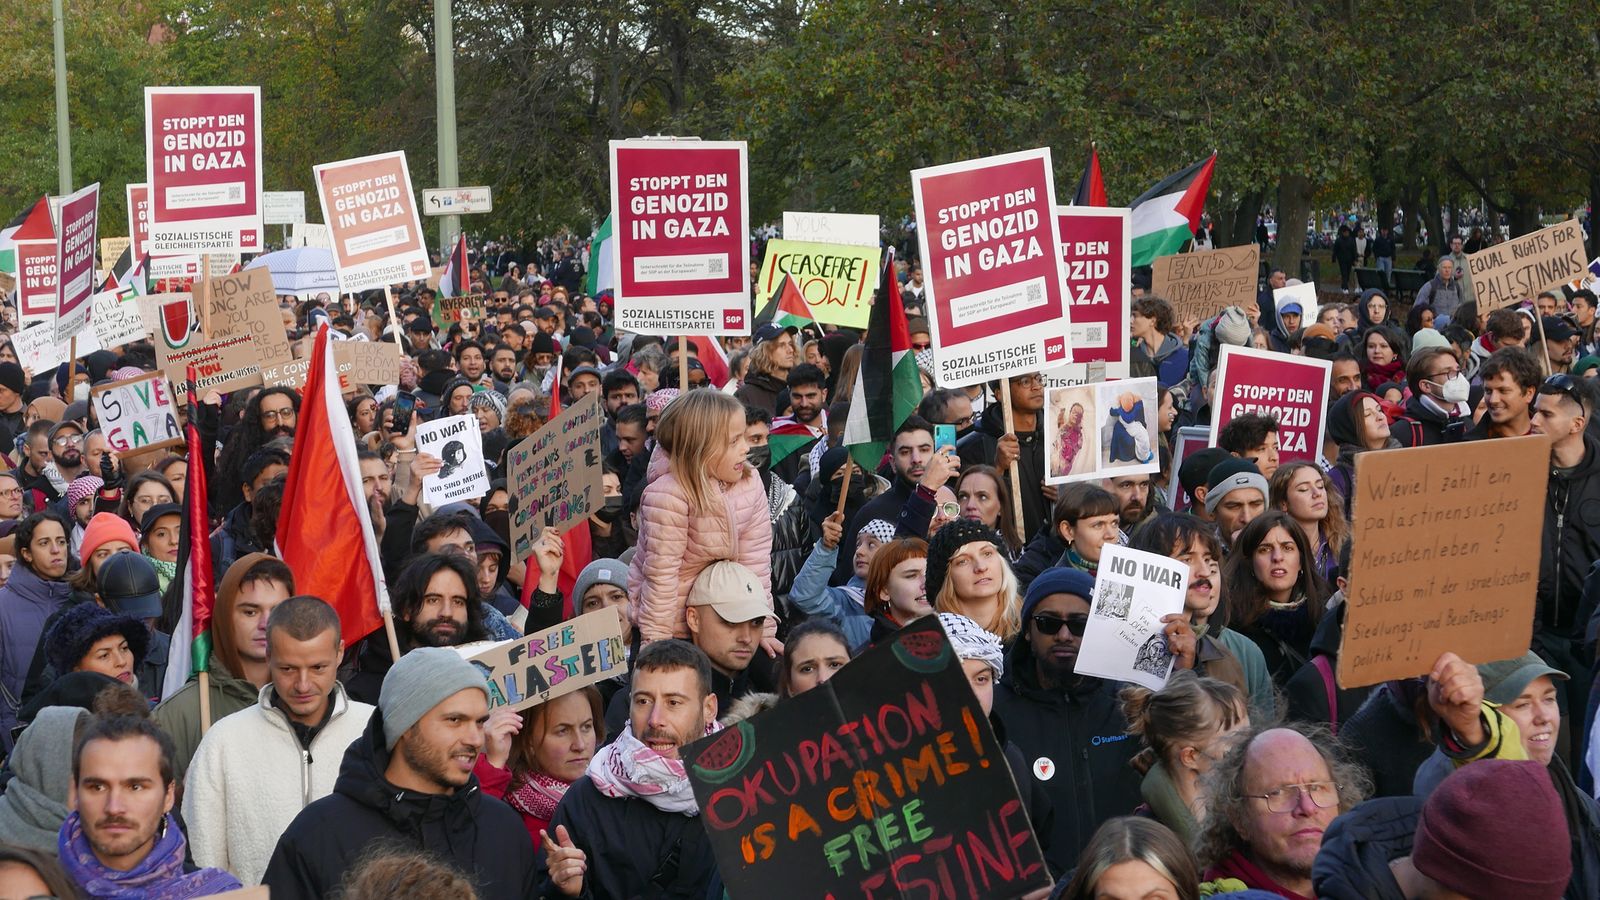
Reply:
x=444, y=62
x=63, y=137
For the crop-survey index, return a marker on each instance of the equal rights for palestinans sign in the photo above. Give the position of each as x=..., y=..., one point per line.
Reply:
x=373, y=228
x=1518, y=269
x=203, y=168
x=137, y=415
x=1291, y=389
x=555, y=475
x=681, y=219
x=75, y=246
x=885, y=781
x=837, y=280
x=992, y=261
x=1203, y=283
x=1096, y=257
x=1446, y=556
x=537, y=668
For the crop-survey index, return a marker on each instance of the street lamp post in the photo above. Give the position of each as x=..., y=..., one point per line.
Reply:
x=445, y=83
x=63, y=136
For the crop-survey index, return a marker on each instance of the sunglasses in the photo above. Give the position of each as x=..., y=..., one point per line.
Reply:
x=1563, y=383
x=1051, y=625
x=921, y=345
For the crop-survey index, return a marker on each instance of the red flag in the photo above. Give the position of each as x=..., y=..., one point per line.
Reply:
x=710, y=354
x=1091, y=189
x=324, y=530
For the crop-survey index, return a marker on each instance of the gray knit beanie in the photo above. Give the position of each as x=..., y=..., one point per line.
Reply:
x=421, y=680
x=600, y=571
x=1233, y=327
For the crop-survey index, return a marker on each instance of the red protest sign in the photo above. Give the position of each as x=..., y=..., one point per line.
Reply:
x=990, y=251
x=1096, y=255
x=1293, y=389
x=681, y=219
x=203, y=164
x=75, y=246
x=373, y=227
x=138, y=221
x=36, y=283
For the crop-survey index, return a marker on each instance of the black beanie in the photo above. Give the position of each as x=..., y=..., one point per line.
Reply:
x=947, y=540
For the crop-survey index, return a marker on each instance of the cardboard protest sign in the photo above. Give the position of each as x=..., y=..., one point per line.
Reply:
x=373, y=229
x=832, y=228
x=1292, y=389
x=246, y=300
x=138, y=220
x=837, y=280
x=367, y=362
x=1123, y=639
x=1201, y=284
x=539, y=667
x=311, y=235
x=681, y=219
x=1191, y=439
x=75, y=245
x=555, y=475
x=1446, y=557
x=37, y=348
x=992, y=263
x=1096, y=257
x=457, y=441
x=885, y=781
x=1101, y=430
x=137, y=415
x=203, y=168
x=462, y=307
x=116, y=320
x=1305, y=294
x=1518, y=269
x=39, y=270
x=111, y=250
x=228, y=358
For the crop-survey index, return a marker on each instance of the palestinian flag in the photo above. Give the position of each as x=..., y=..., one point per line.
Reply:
x=788, y=436
x=1091, y=189
x=1167, y=216
x=888, y=388
x=453, y=283
x=126, y=275
x=787, y=307
x=33, y=223
x=190, y=649
x=602, y=274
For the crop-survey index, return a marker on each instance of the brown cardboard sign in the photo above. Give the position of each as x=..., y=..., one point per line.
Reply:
x=367, y=362
x=543, y=665
x=555, y=475
x=1518, y=269
x=1446, y=556
x=137, y=415
x=460, y=308
x=1201, y=284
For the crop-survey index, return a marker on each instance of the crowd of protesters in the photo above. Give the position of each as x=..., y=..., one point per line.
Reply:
x=320, y=764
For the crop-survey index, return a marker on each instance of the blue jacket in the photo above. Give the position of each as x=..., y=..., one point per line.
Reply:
x=812, y=595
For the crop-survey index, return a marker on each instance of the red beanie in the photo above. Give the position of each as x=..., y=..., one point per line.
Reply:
x=102, y=528
x=1495, y=828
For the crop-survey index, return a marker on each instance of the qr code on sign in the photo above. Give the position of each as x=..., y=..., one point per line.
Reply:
x=1094, y=334
x=714, y=266
x=236, y=194
x=1035, y=293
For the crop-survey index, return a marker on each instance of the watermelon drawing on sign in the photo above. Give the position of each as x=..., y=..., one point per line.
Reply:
x=728, y=754
x=923, y=651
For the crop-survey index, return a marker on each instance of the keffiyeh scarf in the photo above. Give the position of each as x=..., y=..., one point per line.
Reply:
x=627, y=768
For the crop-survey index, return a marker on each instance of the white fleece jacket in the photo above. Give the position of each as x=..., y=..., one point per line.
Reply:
x=250, y=777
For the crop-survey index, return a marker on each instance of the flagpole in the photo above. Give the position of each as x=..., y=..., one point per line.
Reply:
x=683, y=363
x=844, y=482
x=1016, y=479
x=388, y=630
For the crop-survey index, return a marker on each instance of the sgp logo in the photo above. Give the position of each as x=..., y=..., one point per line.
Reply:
x=1054, y=349
x=733, y=318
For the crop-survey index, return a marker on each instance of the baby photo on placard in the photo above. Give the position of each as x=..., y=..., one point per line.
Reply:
x=1072, y=445
x=1127, y=414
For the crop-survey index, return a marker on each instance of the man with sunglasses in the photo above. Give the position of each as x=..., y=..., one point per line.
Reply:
x=1069, y=727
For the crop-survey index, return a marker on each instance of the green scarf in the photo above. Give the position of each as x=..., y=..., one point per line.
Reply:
x=165, y=571
x=1161, y=793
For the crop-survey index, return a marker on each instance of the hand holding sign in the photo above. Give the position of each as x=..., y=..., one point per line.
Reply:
x=1455, y=691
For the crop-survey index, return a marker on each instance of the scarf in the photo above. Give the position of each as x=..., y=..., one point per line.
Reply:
x=1235, y=866
x=1078, y=562
x=1377, y=375
x=627, y=768
x=164, y=571
x=538, y=795
x=159, y=876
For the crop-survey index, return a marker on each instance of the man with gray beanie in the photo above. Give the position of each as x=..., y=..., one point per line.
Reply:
x=1236, y=492
x=408, y=782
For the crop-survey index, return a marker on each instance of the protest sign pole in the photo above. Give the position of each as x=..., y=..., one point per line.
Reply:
x=205, y=701
x=203, y=296
x=388, y=630
x=394, y=320
x=844, y=483
x=1016, y=477
x=683, y=363
x=1544, y=348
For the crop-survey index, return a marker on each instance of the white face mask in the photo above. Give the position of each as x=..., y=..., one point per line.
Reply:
x=1455, y=389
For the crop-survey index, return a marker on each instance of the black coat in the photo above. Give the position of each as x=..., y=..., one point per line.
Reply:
x=1353, y=863
x=480, y=836
x=764, y=391
x=632, y=848
x=1570, y=544
x=1306, y=694
x=1422, y=426
x=1383, y=734
x=1081, y=732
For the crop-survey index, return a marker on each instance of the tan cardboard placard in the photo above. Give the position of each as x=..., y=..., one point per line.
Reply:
x=137, y=415
x=1520, y=268
x=556, y=661
x=555, y=475
x=467, y=307
x=1201, y=284
x=1446, y=557
x=367, y=362
x=244, y=309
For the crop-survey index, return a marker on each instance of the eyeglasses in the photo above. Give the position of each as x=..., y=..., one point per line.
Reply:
x=273, y=415
x=1029, y=381
x=964, y=421
x=949, y=509
x=68, y=440
x=13, y=492
x=1325, y=794
x=1051, y=625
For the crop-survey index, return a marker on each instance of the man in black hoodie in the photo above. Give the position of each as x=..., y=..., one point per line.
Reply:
x=408, y=782
x=1069, y=727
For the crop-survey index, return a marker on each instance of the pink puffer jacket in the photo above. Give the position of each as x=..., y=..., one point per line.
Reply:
x=674, y=546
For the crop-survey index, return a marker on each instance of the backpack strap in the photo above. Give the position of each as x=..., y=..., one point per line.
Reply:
x=1325, y=669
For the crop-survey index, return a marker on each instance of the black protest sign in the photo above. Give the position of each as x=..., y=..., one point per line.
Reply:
x=885, y=781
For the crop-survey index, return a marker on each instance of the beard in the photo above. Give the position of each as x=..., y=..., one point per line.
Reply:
x=68, y=460
x=432, y=763
x=440, y=632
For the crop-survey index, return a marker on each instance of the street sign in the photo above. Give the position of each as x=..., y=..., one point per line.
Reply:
x=456, y=201
x=283, y=207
